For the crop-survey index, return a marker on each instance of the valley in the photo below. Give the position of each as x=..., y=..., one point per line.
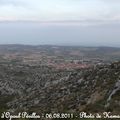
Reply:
x=51, y=79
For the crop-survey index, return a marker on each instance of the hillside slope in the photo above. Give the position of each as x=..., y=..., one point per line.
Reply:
x=43, y=89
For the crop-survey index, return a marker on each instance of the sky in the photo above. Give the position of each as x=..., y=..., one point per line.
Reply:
x=59, y=10
x=65, y=22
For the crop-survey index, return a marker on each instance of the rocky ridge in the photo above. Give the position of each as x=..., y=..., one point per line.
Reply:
x=43, y=89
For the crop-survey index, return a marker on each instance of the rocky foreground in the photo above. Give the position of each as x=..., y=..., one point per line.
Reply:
x=44, y=89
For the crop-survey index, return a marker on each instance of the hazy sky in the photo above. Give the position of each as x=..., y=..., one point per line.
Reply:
x=46, y=10
x=78, y=22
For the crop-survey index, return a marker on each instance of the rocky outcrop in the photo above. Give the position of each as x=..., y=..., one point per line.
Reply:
x=44, y=89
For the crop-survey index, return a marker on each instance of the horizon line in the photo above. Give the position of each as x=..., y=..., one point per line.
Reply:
x=61, y=21
x=59, y=45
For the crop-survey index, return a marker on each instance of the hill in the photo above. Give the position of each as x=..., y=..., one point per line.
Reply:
x=32, y=89
x=31, y=81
